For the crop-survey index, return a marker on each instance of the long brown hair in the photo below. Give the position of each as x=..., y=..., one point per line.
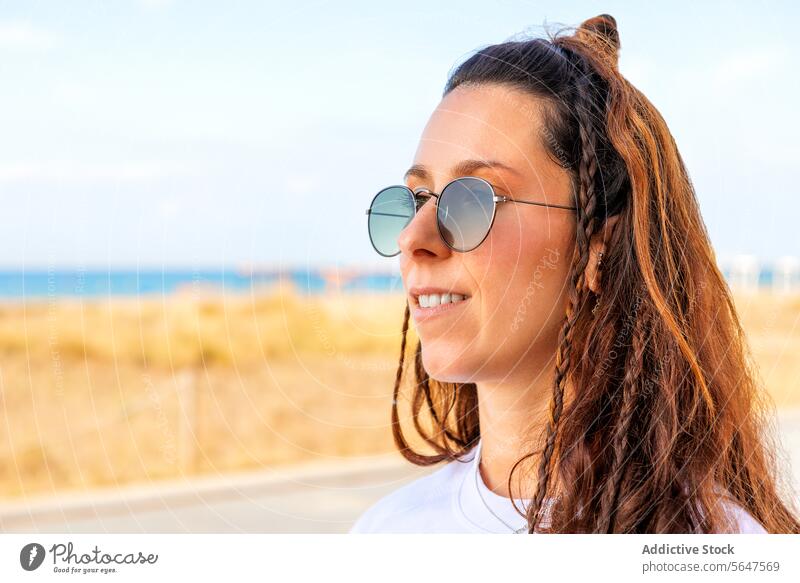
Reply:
x=670, y=409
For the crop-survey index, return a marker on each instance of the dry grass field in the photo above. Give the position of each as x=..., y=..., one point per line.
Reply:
x=119, y=391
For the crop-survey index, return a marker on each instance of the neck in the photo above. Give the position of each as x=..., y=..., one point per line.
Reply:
x=513, y=415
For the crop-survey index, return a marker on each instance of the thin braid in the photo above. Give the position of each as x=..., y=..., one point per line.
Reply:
x=399, y=440
x=620, y=441
x=424, y=381
x=584, y=232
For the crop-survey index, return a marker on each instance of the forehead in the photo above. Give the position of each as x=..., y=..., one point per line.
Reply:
x=489, y=122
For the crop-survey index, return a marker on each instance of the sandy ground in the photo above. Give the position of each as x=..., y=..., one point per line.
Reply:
x=313, y=498
x=104, y=400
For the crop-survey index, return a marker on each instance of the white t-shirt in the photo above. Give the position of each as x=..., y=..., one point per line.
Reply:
x=448, y=500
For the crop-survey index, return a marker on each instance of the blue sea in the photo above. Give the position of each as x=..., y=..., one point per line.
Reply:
x=48, y=283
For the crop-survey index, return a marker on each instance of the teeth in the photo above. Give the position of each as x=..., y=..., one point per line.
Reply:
x=433, y=300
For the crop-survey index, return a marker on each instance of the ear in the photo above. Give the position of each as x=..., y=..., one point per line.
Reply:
x=597, y=246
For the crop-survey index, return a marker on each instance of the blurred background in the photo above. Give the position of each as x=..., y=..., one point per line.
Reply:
x=195, y=333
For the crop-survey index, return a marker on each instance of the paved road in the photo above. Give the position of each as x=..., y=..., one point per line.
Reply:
x=320, y=498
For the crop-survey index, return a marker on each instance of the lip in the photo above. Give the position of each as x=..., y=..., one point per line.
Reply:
x=423, y=314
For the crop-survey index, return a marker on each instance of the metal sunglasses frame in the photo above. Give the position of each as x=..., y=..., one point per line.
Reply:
x=430, y=194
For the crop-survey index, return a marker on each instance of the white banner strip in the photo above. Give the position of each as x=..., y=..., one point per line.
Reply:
x=401, y=558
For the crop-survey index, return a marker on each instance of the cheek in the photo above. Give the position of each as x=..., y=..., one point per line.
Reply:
x=499, y=256
x=521, y=272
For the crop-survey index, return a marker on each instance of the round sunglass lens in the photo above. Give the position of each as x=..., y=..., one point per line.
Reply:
x=391, y=210
x=465, y=212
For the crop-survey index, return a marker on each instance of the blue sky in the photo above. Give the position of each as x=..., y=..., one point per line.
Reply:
x=202, y=133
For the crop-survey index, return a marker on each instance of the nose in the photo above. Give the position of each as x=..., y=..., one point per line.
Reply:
x=420, y=238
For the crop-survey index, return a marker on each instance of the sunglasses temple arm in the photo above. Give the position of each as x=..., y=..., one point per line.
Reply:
x=372, y=212
x=558, y=206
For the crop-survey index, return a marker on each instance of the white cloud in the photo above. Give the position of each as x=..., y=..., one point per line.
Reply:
x=72, y=93
x=300, y=184
x=156, y=4
x=751, y=65
x=638, y=69
x=66, y=171
x=168, y=208
x=24, y=36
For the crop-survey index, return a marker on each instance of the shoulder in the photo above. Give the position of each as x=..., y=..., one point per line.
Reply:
x=414, y=507
x=741, y=521
x=736, y=517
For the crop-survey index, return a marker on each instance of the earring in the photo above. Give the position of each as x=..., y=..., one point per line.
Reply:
x=597, y=301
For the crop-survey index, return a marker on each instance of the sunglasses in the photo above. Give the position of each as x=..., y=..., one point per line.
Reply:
x=465, y=211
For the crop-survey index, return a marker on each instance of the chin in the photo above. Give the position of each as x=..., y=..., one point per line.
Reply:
x=446, y=367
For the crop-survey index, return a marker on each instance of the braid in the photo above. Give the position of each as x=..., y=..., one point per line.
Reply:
x=423, y=380
x=619, y=442
x=397, y=432
x=577, y=293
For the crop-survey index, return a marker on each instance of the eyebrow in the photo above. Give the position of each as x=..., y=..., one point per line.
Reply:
x=463, y=168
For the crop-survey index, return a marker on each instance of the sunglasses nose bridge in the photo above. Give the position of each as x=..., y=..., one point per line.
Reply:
x=422, y=231
x=425, y=194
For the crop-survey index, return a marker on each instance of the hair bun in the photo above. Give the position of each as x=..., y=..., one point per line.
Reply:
x=601, y=32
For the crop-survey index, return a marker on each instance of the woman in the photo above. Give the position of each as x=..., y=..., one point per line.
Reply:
x=580, y=363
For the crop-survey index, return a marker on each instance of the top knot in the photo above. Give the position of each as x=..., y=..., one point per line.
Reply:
x=601, y=33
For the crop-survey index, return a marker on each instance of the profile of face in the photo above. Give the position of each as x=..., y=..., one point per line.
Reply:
x=515, y=283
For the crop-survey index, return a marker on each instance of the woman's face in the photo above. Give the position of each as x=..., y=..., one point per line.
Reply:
x=516, y=280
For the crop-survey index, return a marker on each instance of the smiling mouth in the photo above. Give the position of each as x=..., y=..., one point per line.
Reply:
x=428, y=301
